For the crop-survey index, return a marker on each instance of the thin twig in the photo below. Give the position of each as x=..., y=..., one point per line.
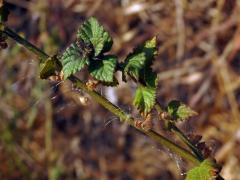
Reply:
x=182, y=136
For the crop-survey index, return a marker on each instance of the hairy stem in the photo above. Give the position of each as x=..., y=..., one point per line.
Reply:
x=107, y=104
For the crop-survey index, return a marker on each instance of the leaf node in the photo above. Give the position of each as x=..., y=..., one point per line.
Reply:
x=179, y=111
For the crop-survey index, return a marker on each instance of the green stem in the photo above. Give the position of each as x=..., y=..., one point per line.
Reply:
x=182, y=136
x=185, y=139
x=42, y=55
x=128, y=119
x=107, y=104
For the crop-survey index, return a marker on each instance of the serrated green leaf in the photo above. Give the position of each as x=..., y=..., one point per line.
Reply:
x=50, y=67
x=138, y=63
x=179, y=111
x=73, y=60
x=205, y=171
x=135, y=63
x=104, y=68
x=92, y=32
x=138, y=67
x=144, y=99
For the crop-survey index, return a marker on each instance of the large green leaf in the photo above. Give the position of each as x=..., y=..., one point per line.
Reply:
x=94, y=33
x=103, y=69
x=134, y=65
x=179, y=111
x=138, y=67
x=73, y=60
x=138, y=63
x=144, y=99
x=205, y=171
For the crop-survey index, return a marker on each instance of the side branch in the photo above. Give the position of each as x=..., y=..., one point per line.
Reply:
x=107, y=104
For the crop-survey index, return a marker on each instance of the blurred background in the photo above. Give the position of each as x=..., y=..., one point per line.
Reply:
x=46, y=133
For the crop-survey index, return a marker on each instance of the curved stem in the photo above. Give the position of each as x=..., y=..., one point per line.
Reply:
x=185, y=139
x=107, y=104
x=182, y=136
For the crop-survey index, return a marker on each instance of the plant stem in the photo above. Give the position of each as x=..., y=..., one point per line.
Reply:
x=185, y=139
x=182, y=136
x=107, y=104
x=128, y=119
x=42, y=55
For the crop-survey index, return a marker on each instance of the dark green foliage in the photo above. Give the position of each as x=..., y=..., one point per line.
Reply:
x=103, y=70
x=91, y=32
x=92, y=42
x=73, y=60
x=138, y=67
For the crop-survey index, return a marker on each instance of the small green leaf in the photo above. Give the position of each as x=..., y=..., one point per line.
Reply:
x=92, y=32
x=73, y=60
x=50, y=67
x=205, y=171
x=144, y=99
x=104, y=68
x=179, y=111
x=138, y=63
